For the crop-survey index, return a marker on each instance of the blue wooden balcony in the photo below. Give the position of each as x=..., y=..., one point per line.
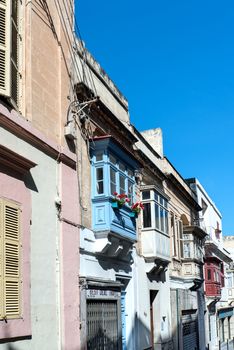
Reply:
x=116, y=220
x=112, y=171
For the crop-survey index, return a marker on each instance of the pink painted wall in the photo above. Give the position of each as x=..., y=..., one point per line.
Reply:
x=12, y=187
x=70, y=259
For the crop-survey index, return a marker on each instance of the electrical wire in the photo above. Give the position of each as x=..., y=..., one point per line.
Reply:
x=76, y=27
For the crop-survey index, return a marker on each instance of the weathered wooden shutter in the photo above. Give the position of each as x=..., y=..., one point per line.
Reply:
x=1, y=258
x=15, y=39
x=11, y=247
x=5, y=52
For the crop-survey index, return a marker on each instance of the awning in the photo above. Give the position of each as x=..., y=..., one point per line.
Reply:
x=227, y=312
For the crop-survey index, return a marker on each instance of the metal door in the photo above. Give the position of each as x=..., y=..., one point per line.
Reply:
x=190, y=335
x=102, y=325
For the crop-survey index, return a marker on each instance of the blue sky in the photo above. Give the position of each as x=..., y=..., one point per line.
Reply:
x=174, y=61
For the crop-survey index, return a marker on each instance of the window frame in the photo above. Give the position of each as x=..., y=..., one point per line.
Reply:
x=10, y=277
x=108, y=165
x=158, y=204
x=6, y=90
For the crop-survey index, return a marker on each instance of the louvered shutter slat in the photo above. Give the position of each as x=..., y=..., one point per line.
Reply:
x=5, y=47
x=1, y=258
x=12, y=260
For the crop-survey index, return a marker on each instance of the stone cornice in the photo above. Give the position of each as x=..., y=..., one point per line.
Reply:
x=14, y=161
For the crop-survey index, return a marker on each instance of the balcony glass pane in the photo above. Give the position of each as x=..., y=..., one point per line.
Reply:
x=99, y=156
x=187, y=252
x=121, y=184
x=99, y=181
x=166, y=221
x=113, y=159
x=130, y=173
x=112, y=181
x=157, y=221
x=100, y=188
x=145, y=195
x=162, y=219
x=147, y=215
x=99, y=173
x=130, y=192
x=122, y=166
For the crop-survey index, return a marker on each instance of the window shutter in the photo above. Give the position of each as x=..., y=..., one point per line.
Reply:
x=1, y=258
x=5, y=40
x=11, y=247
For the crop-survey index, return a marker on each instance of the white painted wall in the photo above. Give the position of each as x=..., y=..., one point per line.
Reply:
x=44, y=262
x=211, y=216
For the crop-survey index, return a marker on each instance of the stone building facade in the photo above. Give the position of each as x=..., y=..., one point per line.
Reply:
x=39, y=251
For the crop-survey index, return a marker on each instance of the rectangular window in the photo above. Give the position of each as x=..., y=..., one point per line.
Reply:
x=9, y=50
x=186, y=250
x=180, y=236
x=15, y=52
x=113, y=159
x=112, y=181
x=99, y=181
x=121, y=184
x=157, y=217
x=209, y=274
x=162, y=227
x=130, y=173
x=159, y=205
x=174, y=235
x=147, y=215
x=122, y=167
x=145, y=195
x=130, y=192
x=99, y=156
x=10, y=269
x=166, y=221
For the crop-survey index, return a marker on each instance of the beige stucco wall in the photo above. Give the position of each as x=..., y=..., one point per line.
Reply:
x=45, y=67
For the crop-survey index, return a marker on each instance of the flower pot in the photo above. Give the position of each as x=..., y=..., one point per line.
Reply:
x=133, y=214
x=115, y=205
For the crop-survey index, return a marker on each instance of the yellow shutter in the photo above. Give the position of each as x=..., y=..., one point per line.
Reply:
x=5, y=59
x=11, y=248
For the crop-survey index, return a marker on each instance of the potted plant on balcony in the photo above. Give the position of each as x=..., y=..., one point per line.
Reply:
x=119, y=200
x=136, y=209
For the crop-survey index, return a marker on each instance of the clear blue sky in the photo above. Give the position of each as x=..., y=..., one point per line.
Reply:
x=174, y=61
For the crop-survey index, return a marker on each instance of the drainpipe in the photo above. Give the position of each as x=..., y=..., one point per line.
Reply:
x=58, y=254
x=178, y=318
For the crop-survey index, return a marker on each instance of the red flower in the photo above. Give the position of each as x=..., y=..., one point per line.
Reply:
x=115, y=193
x=127, y=200
x=134, y=205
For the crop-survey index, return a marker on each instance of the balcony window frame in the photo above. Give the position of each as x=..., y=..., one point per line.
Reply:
x=107, y=159
x=158, y=204
x=123, y=173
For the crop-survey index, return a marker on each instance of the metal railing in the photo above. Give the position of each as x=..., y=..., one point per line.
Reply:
x=226, y=345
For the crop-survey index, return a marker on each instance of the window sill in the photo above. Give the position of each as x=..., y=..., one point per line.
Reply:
x=15, y=329
x=156, y=230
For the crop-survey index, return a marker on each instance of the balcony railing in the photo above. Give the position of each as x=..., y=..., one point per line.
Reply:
x=155, y=244
x=116, y=220
x=213, y=289
x=231, y=293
